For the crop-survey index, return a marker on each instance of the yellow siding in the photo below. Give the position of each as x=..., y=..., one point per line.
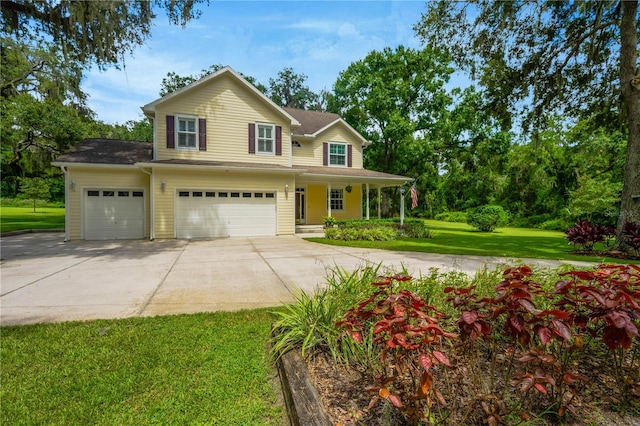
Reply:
x=310, y=153
x=228, y=107
x=94, y=178
x=181, y=180
x=317, y=204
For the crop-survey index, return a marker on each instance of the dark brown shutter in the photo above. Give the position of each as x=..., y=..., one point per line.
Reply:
x=252, y=138
x=349, y=155
x=278, y=140
x=171, y=132
x=325, y=154
x=202, y=134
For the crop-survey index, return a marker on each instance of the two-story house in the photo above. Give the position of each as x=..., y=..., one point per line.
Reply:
x=225, y=161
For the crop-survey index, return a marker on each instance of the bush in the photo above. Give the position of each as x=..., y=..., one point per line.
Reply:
x=375, y=229
x=631, y=234
x=487, y=218
x=583, y=235
x=457, y=217
x=555, y=225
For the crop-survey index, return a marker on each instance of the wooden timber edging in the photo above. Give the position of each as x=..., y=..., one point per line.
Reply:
x=301, y=398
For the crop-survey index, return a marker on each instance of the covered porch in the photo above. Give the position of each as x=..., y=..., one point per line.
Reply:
x=341, y=193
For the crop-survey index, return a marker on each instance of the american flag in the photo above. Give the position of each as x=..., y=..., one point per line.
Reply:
x=414, y=196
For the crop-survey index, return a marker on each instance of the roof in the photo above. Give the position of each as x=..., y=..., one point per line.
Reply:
x=108, y=151
x=313, y=123
x=150, y=108
x=349, y=172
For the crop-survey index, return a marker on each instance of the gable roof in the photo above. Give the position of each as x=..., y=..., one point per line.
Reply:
x=312, y=123
x=150, y=108
x=107, y=151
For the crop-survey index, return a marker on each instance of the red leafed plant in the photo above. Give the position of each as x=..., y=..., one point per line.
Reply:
x=606, y=303
x=407, y=338
x=631, y=234
x=584, y=234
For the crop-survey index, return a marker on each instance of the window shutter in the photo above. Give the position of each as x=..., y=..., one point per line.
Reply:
x=202, y=134
x=252, y=138
x=325, y=154
x=349, y=155
x=278, y=140
x=171, y=132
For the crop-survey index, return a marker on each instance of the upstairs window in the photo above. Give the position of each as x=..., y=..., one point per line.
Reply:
x=266, y=139
x=186, y=132
x=337, y=154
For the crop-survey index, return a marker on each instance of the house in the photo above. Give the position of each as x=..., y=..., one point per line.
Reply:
x=225, y=161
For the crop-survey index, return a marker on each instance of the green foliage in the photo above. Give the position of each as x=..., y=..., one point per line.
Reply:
x=374, y=229
x=459, y=217
x=34, y=189
x=18, y=215
x=289, y=90
x=378, y=233
x=595, y=198
x=487, y=218
x=211, y=368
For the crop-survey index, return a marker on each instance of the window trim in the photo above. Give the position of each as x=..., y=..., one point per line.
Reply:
x=273, y=139
x=345, y=155
x=196, y=134
x=341, y=199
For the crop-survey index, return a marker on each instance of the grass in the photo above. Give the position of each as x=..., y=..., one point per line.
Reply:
x=19, y=218
x=462, y=239
x=188, y=369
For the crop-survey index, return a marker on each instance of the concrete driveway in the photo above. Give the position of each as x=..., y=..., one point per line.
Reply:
x=44, y=279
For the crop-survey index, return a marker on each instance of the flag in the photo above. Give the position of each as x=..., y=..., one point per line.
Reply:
x=414, y=196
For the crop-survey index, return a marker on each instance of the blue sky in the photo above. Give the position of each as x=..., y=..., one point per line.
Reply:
x=257, y=38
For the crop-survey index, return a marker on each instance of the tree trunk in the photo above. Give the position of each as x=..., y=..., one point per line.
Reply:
x=630, y=207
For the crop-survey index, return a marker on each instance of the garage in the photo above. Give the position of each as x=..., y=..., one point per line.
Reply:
x=111, y=214
x=225, y=213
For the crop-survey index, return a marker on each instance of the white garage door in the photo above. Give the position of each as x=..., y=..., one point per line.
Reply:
x=113, y=214
x=213, y=213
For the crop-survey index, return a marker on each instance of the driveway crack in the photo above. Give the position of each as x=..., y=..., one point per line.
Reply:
x=284, y=284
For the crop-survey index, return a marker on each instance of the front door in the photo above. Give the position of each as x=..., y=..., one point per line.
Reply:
x=301, y=206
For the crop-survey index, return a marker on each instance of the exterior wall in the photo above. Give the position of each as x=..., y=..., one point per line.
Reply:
x=317, y=204
x=94, y=178
x=310, y=153
x=181, y=179
x=228, y=107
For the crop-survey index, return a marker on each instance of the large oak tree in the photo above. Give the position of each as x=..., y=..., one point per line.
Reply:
x=537, y=58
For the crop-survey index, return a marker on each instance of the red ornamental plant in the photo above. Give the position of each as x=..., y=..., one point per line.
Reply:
x=631, y=233
x=406, y=335
x=606, y=303
x=584, y=234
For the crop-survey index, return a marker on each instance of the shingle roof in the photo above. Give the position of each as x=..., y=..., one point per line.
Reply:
x=108, y=151
x=311, y=121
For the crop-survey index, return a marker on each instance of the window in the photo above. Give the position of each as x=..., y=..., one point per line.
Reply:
x=93, y=193
x=258, y=195
x=108, y=193
x=137, y=193
x=337, y=154
x=296, y=144
x=123, y=193
x=222, y=194
x=337, y=199
x=197, y=193
x=269, y=195
x=210, y=194
x=183, y=194
x=246, y=195
x=266, y=141
x=235, y=195
x=186, y=132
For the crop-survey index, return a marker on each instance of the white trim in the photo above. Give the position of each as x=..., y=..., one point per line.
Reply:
x=337, y=121
x=285, y=169
x=195, y=133
x=346, y=154
x=343, y=198
x=95, y=165
x=273, y=139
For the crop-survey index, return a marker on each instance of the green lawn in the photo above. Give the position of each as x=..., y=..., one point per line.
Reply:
x=18, y=218
x=186, y=369
x=460, y=238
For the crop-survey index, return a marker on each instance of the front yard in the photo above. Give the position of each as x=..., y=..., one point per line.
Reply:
x=186, y=369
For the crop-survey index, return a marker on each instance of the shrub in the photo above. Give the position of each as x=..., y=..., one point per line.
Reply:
x=487, y=218
x=631, y=234
x=329, y=222
x=375, y=229
x=457, y=217
x=554, y=225
x=583, y=235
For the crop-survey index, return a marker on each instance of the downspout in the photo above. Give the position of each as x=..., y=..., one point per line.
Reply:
x=152, y=222
x=66, y=203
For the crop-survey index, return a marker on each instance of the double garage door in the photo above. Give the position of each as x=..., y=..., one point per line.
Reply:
x=225, y=213
x=113, y=214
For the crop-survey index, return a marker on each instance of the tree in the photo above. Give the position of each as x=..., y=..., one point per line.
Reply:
x=537, y=58
x=34, y=189
x=396, y=99
x=86, y=32
x=289, y=90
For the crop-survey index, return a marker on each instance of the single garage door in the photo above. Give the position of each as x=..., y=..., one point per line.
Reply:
x=113, y=214
x=225, y=213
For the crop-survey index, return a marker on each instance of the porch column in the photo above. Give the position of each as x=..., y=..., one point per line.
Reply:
x=367, y=202
x=379, y=216
x=329, y=199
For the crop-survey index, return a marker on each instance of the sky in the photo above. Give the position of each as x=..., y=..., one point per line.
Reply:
x=257, y=38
